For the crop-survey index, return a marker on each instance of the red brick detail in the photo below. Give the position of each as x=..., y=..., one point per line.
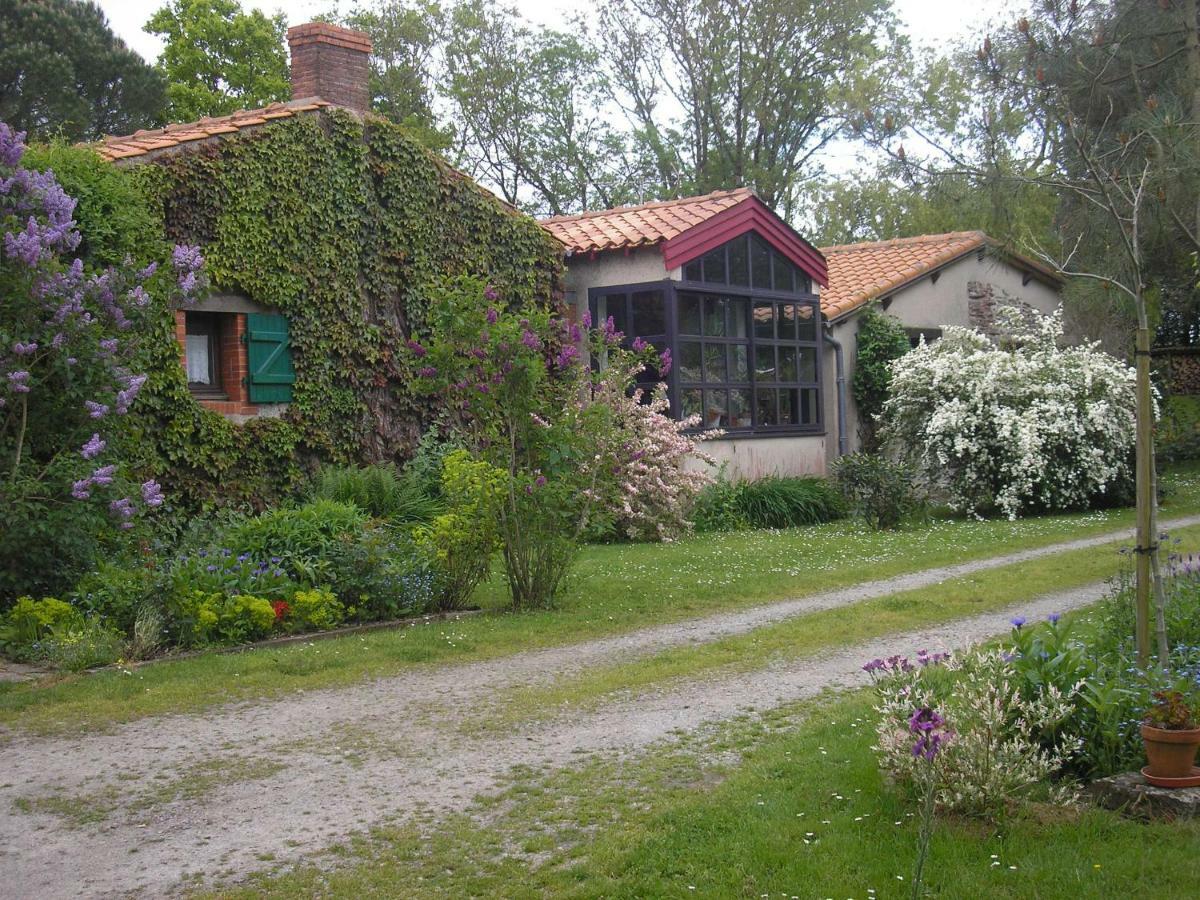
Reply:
x=181, y=335
x=332, y=63
x=235, y=362
x=230, y=407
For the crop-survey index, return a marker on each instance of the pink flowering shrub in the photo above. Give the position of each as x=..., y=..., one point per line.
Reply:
x=553, y=430
x=68, y=344
x=653, y=492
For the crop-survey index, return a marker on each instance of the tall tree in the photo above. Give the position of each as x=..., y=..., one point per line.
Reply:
x=64, y=73
x=1095, y=100
x=405, y=38
x=743, y=92
x=219, y=59
x=529, y=103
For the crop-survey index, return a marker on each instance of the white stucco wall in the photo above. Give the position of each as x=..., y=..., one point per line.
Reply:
x=583, y=273
x=930, y=304
x=745, y=459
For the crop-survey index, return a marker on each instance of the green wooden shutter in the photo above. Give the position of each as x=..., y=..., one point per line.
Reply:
x=270, y=359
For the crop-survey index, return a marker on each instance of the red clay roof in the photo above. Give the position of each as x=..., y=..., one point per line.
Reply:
x=627, y=227
x=862, y=272
x=142, y=142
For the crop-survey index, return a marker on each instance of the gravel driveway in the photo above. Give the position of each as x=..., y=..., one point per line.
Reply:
x=146, y=808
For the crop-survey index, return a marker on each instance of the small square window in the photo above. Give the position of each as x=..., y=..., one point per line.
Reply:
x=202, y=352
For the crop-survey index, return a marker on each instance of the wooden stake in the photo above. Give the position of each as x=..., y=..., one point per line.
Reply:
x=1147, y=540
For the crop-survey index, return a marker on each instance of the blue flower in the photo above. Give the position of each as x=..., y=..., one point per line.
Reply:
x=1018, y=621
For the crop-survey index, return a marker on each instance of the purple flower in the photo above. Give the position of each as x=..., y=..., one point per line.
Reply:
x=929, y=726
x=95, y=410
x=122, y=507
x=1018, y=621
x=103, y=475
x=587, y=318
x=531, y=340
x=79, y=490
x=93, y=447
x=108, y=346
x=125, y=398
x=427, y=371
x=491, y=295
x=483, y=388
x=492, y=315
x=478, y=353
x=152, y=494
x=567, y=355
x=18, y=382
x=1053, y=618
x=639, y=345
x=12, y=145
x=25, y=349
x=419, y=351
x=210, y=568
x=664, y=362
x=540, y=481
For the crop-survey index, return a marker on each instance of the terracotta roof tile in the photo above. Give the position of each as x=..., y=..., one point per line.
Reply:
x=142, y=142
x=862, y=272
x=627, y=227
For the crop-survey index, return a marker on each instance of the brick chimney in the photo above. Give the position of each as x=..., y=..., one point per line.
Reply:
x=332, y=63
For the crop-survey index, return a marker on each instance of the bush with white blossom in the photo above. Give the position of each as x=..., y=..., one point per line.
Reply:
x=1018, y=426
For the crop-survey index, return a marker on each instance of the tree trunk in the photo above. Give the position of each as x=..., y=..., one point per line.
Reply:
x=1147, y=540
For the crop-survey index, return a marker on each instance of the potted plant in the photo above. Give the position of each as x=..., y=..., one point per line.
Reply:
x=1171, y=733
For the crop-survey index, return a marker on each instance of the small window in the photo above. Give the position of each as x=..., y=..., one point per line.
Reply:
x=202, y=350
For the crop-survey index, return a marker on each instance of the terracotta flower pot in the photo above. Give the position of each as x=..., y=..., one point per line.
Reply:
x=1171, y=754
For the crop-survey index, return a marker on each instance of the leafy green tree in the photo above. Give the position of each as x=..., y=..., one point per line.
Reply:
x=405, y=38
x=530, y=107
x=743, y=92
x=219, y=59
x=880, y=340
x=64, y=73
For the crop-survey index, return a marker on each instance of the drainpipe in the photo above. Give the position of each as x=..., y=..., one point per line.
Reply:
x=839, y=361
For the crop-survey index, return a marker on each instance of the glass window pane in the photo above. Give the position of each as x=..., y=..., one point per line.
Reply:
x=689, y=361
x=782, y=268
x=764, y=364
x=739, y=262
x=803, y=283
x=690, y=402
x=787, y=322
x=809, y=407
x=691, y=272
x=714, y=316
x=196, y=354
x=649, y=314
x=764, y=320
x=613, y=306
x=714, y=363
x=764, y=404
x=738, y=307
x=808, y=364
x=739, y=365
x=760, y=263
x=739, y=409
x=716, y=409
x=787, y=364
x=808, y=323
x=714, y=265
x=689, y=314
x=788, y=401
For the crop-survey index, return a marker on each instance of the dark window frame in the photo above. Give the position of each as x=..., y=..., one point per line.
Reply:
x=671, y=291
x=210, y=325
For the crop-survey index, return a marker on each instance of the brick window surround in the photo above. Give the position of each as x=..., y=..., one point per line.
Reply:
x=232, y=362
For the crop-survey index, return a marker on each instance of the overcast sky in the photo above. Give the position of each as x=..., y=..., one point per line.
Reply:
x=927, y=21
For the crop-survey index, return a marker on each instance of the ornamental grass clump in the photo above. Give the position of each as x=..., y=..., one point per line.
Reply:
x=1022, y=426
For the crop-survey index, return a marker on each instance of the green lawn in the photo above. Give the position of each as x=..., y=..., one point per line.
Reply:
x=615, y=589
x=804, y=813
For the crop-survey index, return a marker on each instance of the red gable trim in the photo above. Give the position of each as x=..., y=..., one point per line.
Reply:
x=750, y=215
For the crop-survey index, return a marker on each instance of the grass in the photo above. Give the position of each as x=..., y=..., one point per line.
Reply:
x=805, y=635
x=789, y=806
x=615, y=589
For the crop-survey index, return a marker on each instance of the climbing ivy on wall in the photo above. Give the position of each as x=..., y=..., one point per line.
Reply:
x=350, y=229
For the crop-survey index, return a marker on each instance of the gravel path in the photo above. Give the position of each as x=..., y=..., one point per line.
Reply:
x=141, y=810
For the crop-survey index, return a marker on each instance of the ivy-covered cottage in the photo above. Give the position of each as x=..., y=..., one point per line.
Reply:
x=328, y=232
x=761, y=325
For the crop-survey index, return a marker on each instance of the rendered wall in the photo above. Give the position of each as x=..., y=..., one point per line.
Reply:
x=756, y=457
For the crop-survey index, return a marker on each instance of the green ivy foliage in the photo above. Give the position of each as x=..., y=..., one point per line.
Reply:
x=348, y=227
x=881, y=339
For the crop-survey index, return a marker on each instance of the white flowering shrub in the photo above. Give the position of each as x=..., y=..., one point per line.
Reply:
x=1025, y=426
x=994, y=749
